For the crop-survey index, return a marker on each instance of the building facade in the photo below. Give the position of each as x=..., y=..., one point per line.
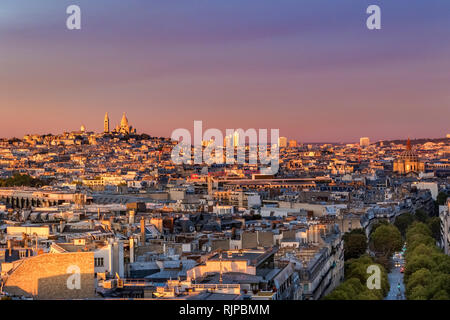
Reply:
x=408, y=161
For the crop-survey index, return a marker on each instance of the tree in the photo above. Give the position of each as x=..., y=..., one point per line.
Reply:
x=416, y=240
x=434, y=224
x=418, y=233
x=355, y=244
x=418, y=228
x=439, y=282
x=423, y=249
x=441, y=295
x=418, y=293
x=144, y=136
x=403, y=221
x=357, y=268
x=421, y=215
x=386, y=240
x=355, y=287
x=21, y=180
x=441, y=198
x=442, y=262
x=367, y=294
x=421, y=277
x=427, y=272
x=378, y=224
x=348, y=290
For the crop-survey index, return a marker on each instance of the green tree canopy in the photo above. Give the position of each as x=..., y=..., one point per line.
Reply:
x=21, y=180
x=421, y=215
x=427, y=272
x=421, y=277
x=441, y=198
x=386, y=240
x=434, y=223
x=418, y=293
x=403, y=221
x=377, y=224
x=355, y=244
x=441, y=295
x=355, y=285
x=418, y=228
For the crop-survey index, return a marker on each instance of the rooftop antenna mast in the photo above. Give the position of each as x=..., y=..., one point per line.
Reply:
x=220, y=262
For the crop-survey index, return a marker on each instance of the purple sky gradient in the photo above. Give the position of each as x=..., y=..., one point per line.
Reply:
x=309, y=68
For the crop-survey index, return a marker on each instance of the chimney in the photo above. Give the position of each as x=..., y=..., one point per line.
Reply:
x=61, y=226
x=9, y=247
x=131, y=217
x=143, y=229
x=131, y=249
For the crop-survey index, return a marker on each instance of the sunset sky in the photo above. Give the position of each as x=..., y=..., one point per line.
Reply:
x=308, y=67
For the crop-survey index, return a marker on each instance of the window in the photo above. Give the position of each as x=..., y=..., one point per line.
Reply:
x=98, y=262
x=22, y=254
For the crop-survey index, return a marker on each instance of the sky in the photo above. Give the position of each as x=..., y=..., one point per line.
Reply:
x=309, y=68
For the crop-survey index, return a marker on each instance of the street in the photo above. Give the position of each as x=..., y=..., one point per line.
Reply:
x=395, y=278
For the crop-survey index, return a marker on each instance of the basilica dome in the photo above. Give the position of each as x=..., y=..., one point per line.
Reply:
x=408, y=161
x=409, y=154
x=124, y=121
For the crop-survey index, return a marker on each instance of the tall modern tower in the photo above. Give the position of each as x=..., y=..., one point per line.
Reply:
x=106, y=124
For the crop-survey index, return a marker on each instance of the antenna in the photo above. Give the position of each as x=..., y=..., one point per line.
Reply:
x=220, y=263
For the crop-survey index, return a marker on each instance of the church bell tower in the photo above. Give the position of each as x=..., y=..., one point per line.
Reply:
x=106, y=124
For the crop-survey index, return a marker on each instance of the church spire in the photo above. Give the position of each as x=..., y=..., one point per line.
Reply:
x=408, y=144
x=106, y=123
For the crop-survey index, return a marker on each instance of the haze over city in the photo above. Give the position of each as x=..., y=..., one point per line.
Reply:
x=309, y=68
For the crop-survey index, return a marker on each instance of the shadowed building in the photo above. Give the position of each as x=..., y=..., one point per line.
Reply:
x=52, y=276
